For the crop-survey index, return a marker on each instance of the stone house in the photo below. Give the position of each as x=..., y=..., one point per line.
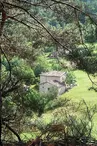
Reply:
x=52, y=79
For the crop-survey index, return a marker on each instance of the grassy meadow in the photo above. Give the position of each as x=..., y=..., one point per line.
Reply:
x=81, y=91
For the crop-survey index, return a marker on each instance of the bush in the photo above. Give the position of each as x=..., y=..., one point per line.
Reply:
x=49, y=49
x=42, y=65
x=90, y=64
x=70, y=78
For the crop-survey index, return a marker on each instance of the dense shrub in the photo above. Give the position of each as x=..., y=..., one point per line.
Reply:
x=70, y=78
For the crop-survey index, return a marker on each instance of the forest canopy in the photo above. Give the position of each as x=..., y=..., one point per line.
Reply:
x=31, y=33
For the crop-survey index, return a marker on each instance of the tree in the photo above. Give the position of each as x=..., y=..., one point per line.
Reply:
x=25, y=14
x=21, y=76
x=67, y=126
x=42, y=65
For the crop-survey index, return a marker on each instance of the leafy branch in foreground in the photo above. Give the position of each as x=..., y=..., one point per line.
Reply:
x=12, y=12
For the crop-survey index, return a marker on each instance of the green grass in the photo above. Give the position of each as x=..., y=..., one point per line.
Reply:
x=81, y=91
x=28, y=135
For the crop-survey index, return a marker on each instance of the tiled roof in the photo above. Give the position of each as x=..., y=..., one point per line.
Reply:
x=53, y=73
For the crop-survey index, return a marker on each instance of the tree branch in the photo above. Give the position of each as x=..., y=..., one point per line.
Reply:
x=12, y=130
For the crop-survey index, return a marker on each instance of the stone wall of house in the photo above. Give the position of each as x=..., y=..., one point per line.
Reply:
x=45, y=87
x=43, y=79
x=46, y=83
x=62, y=78
x=61, y=90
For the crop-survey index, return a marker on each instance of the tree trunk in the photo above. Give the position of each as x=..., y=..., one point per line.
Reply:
x=3, y=18
x=0, y=104
x=12, y=130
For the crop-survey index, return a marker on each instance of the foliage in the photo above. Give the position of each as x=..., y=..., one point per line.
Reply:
x=56, y=65
x=22, y=70
x=77, y=126
x=19, y=69
x=42, y=65
x=90, y=32
x=38, y=102
x=49, y=49
x=70, y=78
x=75, y=121
x=90, y=64
x=85, y=58
x=27, y=29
